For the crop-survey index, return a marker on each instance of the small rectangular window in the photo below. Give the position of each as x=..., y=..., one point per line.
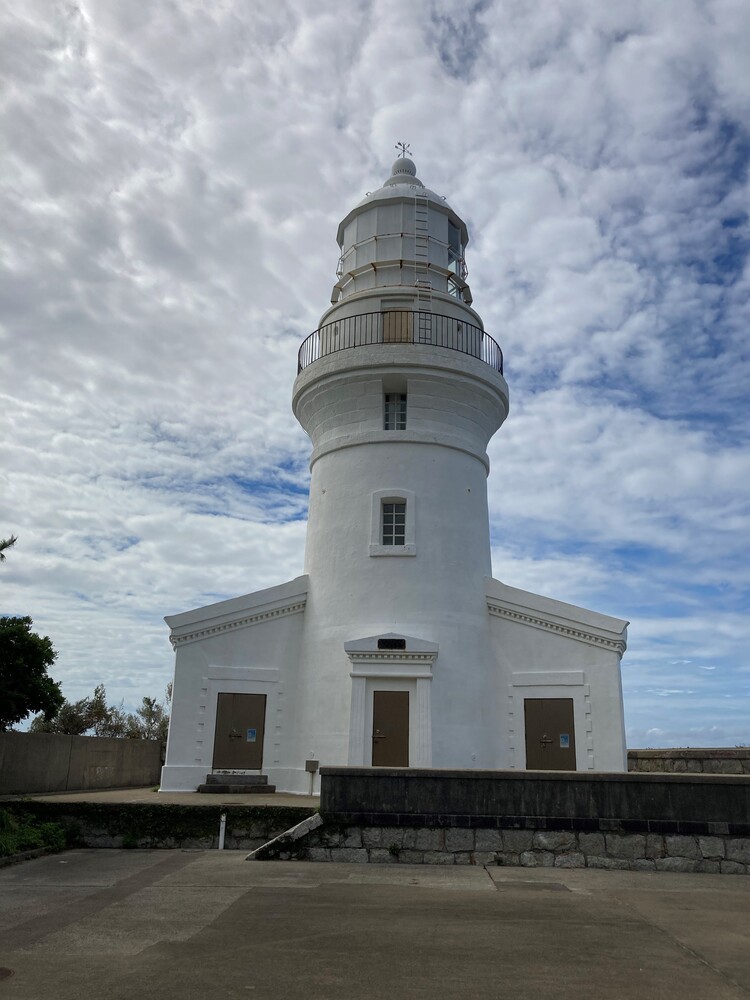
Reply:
x=395, y=411
x=394, y=523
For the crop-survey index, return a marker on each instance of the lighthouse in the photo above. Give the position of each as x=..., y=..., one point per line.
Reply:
x=396, y=647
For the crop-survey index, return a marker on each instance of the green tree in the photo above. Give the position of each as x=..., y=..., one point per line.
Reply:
x=25, y=686
x=94, y=716
x=149, y=722
x=71, y=719
x=6, y=543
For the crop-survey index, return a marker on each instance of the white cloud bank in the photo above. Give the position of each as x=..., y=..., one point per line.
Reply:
x=174, y=178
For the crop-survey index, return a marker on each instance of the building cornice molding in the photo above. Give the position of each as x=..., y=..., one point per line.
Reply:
x=394, y=656
x=397, y=437
x=616, y=645
x=295, y=608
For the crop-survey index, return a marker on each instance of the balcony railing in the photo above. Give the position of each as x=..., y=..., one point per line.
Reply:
x=400, y=327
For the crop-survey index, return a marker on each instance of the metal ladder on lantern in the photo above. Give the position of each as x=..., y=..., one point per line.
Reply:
x=423, y=332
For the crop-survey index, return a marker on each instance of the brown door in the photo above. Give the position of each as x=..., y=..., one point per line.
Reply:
x=240, y=721
x=390, y=729
x=397, y=327
x=550, y=735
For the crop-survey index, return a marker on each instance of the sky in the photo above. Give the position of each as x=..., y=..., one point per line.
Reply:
x=173, y=178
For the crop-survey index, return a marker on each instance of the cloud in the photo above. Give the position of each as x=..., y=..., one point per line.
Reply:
x=170, y=200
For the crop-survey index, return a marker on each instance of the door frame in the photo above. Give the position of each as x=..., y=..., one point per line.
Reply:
x=551, y=684
x=238, y=680
x=406, y=669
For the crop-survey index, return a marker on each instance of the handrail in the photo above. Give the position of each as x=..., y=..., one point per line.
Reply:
x=400, y=327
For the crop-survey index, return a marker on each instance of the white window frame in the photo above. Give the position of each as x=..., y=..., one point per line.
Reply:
x=378, y=498
x=399, y=407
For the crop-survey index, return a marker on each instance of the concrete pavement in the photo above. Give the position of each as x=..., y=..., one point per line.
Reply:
x=177, y=924
x=152, y=796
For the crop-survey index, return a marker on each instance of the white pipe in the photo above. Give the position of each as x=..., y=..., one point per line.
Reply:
x=222, y=830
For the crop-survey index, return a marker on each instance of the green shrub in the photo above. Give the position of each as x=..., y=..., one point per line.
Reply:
x=21, y=832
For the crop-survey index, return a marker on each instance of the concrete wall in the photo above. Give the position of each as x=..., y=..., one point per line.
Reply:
x=48, y=762
x=720, y=760
x=664, y=803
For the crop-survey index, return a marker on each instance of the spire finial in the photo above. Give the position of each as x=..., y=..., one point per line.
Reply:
x=404, y=147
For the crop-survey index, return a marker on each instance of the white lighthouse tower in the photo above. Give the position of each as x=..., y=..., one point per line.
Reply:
x=396, y=647
x=400, y=391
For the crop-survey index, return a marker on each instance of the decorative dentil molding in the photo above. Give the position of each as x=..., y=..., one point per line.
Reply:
x=394, y=656
x=261, y=616
x=616, y=645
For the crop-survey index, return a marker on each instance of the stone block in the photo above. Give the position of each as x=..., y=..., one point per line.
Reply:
x=626, y=845
x=408, y=839
x=483, y=858
x=428, y=840
x=330, y=837
x=694, y=766
x=712, y=847
x=379, y=856
x=350, y=855
x=103, y=840
x=407, y=857
x=459, y=840
x=319, y=854
x=643, y=865
x=738, y=849
x=537, y=859
x=554, y=840
x=732, y=868
x=199, y=844
x=708, y=867
x=675, y=864
x=438, y=858
x=462, y=857
x=654, y=845
x=591, y=843
x=392, y=837
x=372, y=836
x=352, y=837
x=517, y=840
x=612, y=864
x=489, y=840
x=679, y=766
x=572, y=860
x=724, y=766
x=507, y=858
x=682, y=847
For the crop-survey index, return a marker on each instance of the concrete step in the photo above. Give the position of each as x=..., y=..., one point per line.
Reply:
x=236, y=789
x=236, y=779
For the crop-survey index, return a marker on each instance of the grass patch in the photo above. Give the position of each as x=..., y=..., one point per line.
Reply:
x=20, y=831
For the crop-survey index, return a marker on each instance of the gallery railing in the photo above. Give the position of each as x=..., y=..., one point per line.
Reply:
x=400, y=327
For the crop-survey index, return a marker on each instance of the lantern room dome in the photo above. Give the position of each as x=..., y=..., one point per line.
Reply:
x=403, y=182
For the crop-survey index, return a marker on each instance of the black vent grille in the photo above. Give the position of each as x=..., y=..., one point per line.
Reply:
x=391, y=643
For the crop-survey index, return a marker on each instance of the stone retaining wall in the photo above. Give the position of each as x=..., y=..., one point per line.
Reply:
x=644, y=822
x=735, y=760
x=525, y=848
